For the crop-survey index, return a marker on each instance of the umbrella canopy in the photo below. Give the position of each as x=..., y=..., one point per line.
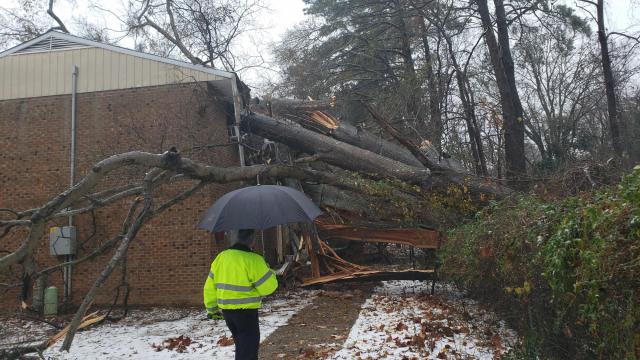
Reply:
x=259, y=207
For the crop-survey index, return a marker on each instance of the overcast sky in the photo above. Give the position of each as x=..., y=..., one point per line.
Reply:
x=622, y=16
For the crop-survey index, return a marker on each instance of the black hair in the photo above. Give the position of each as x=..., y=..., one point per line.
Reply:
x=244, y=235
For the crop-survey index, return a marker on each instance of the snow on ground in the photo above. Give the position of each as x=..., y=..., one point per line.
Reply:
x=22, y=331
x=143, y=333
x=401, y=320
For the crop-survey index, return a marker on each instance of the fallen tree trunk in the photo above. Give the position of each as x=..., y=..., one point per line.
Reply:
x=371, y=275
x=171, y=161
x=377, y=208
x=332, y=151
x=420, y=238
x=312, y=115
x=353, y=158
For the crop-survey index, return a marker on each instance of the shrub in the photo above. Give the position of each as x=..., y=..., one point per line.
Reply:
x=566, y=273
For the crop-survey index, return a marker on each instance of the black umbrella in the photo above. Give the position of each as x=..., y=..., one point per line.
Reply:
x=259, y=207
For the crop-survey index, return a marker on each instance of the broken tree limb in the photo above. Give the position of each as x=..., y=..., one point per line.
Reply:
x=18, y=351
x=313, y=118
x=332, y=151
x=168, y=161
x=366, y=140
x=353, y=158
x=408, y=144
x=86, y=321
x=141, y=218
x=282, y=106
x=420, y=238
x=318, y=120
x=445, y=171
x=371, y=275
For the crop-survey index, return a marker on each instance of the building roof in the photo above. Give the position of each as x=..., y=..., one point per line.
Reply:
x=55, y=40
x=44, y=66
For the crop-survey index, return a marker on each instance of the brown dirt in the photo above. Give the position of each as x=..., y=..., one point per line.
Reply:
x=321, y=328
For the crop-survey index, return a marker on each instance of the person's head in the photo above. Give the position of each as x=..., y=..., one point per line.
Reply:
x=245, y=237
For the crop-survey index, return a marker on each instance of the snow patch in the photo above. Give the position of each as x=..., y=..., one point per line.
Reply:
x=134, y=337
x=401, y=320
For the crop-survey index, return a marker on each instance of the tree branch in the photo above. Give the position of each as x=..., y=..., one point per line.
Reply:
x=61, y=25
x=636, y=39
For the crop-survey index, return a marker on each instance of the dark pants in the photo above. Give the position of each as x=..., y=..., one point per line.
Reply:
x=245, y=329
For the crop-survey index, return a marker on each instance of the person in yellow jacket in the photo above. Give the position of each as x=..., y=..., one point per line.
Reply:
x=237, y=282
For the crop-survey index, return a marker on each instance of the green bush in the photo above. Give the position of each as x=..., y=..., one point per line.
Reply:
x=567, y=273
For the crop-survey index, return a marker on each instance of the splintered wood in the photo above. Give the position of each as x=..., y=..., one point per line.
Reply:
x=324, y=119
x=328, y=267
x=371, y=275
x=420, y=238
x=86, y=321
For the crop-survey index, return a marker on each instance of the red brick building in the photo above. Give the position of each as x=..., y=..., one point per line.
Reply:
x=124, y=101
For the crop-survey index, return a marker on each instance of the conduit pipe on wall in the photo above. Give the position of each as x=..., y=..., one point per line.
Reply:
x=237, y=109
x=72, y=178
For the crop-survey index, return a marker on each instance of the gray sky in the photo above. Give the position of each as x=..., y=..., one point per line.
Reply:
x=281, y=16
x=622, y=16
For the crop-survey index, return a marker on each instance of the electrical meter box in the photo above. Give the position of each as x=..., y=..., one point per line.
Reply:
x=62, y=240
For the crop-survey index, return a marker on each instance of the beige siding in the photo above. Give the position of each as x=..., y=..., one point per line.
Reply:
x=49, y=73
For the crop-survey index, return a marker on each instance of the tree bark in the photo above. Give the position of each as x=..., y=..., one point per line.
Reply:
x=289, y=109
x=168, y=161
x=609, y=82
x=433, y=82
x=353, y=158
x=502, y=61
x=332, y=151
x=414, y=99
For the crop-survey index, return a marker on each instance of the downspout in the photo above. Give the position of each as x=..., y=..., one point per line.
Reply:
x=72, y=177
x=237, y=108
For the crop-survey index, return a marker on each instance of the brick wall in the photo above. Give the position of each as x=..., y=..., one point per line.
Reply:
x=168, y=261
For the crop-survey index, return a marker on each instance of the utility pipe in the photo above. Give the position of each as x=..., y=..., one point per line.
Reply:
x=72, y=176
x=237, y=109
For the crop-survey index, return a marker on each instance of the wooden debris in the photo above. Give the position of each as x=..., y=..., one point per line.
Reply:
x=86, y=321
x=371, y=275
x=327, y=266
x=420, y=238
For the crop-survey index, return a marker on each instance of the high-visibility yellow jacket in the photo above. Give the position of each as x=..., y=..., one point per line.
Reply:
x=238, y=279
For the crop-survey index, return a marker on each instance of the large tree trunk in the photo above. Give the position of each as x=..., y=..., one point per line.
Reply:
x=412, y=87
x=500, y=52
x=311, y=117
x=377, y=209
x=349, y=157
x=433, y=82
x=609, y=82
x=332, y=151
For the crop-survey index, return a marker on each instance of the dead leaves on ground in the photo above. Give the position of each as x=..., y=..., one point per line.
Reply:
x=225, y=341
x=427, y=326
x=178, y=344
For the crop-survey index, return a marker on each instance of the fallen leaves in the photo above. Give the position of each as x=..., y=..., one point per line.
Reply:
x=178, y=344
x=225, y=341
x=400, y=322
x=401, y=326
x=321, y=351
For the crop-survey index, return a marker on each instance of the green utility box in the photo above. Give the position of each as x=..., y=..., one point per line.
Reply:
x=51, y=301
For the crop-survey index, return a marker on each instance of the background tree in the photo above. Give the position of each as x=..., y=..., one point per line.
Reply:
x=204, y=32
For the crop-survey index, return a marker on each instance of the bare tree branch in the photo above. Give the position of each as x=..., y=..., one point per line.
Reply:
x=61, y=25
x=636, y=38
